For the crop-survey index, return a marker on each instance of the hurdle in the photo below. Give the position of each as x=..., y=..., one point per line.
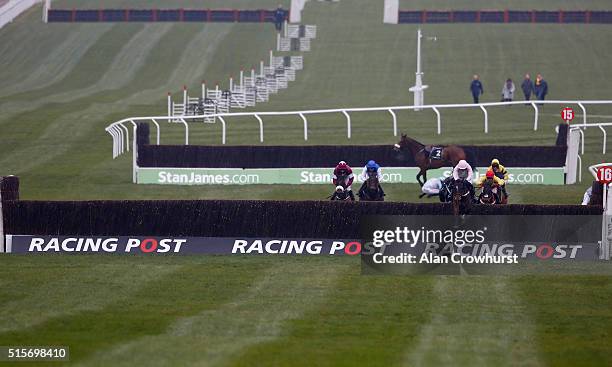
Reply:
x=238, y=93
x=301, y=31
x=287, y=44
x=248, y=89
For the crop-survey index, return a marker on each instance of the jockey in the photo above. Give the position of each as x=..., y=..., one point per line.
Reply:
x=339, y=193
x=500, y=172
x=343, y=176
x=490, y=176
x=463, y=171
x=432, y=187
x=371, y=167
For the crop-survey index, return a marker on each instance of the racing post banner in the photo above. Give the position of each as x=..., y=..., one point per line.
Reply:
x=152, y=245
x=495, y=245
x=301, y=176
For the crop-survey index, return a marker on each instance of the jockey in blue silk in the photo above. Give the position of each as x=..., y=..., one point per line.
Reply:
x=371, y=167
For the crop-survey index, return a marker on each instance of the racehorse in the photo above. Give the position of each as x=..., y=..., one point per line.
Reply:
x=371, y=191
x=341, y=195
x=462, y=200
x=489, y=194
x=449, y=157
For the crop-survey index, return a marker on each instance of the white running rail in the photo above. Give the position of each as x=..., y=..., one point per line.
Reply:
x=120, y=133
x=13, y=8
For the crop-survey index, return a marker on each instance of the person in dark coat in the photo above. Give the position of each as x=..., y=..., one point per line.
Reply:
x=476, y=88
x=540, y=88
x=279, y=18
x=527, y=87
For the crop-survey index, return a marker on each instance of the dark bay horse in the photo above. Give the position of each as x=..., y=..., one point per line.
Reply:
x=372, y=190
x=451, y=155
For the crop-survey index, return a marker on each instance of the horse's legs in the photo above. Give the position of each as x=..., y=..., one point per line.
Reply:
x=419, y=175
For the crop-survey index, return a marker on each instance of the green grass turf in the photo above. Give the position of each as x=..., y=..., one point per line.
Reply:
x=58, y=93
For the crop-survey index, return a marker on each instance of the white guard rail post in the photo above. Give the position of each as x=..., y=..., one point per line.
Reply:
x=394, y=122
x=348, y=124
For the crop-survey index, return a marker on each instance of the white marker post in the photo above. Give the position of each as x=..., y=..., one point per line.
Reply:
x=419, y=88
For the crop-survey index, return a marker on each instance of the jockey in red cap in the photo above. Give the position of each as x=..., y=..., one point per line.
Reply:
x=343, y=176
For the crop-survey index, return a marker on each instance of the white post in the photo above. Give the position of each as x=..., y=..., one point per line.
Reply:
x=203, y=89
x=260, y=128
x=348, y=124
x=271, y=58
x=134, y=156
x=439, y=120
x=184, y=99
x=222, y=130
x=606, y=226
x=241, y=78
x=571, y=160
x=253, y=75
x=418, y=89
x=46, y=7
x=605, y=137
x=186, y=131
x=127, y=137
x=157, y=126
x=231, y=84
x=278, y=37
x=295, y=15
x=394, y=122
x=305, y=126
x=169, y=105
x=486, y=119
x=261, y=68
x=535, y=116
x=391, y=15
x=584, y=113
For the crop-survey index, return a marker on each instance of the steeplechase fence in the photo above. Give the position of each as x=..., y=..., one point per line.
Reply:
x=160, y=15
x=505, y=16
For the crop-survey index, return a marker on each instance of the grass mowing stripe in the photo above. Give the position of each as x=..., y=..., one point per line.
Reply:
x=573, y=318
x=366, y=321
x=61, y=119
x=63, y=290
x=475, y=321
x=58, y=62
x=131, y=95
x=284, y=292
x=123, y=68
x=92, y=67
x=198, y=284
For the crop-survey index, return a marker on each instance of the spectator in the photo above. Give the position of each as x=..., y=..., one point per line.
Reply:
x=527, y=87
x=508, y=91
x=540, y=88
x=279, y=18
x=476, y=88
